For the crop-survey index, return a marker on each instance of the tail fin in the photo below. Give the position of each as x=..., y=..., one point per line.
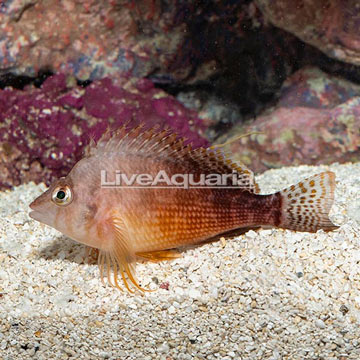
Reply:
x=305, y=206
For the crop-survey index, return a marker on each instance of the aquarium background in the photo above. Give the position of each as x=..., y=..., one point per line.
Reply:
x=285, y=73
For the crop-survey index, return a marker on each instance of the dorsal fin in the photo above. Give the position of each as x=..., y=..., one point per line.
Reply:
x=166, y=144
x=218, y=161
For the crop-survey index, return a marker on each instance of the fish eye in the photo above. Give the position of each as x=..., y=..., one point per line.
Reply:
x=62, y=195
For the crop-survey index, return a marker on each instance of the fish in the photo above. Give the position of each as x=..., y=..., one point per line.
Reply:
x=100, y=204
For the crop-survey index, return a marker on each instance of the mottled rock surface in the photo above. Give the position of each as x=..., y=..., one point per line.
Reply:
x=89, y=39
x=330, y=25
x=92, y=39
x=225, y=44
x=43, y=131
x=314, y=122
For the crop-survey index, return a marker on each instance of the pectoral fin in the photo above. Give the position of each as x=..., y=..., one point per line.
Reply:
x=119, y=257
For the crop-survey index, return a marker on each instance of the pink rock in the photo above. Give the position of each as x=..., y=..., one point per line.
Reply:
x=314, y=122
x=332, y=26
x=94, y=39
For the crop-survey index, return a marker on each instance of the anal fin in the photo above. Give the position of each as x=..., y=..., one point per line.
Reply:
x=161, y=255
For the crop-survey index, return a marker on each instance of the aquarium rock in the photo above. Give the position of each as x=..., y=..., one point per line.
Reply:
x=171, y=41
x=331, y=26
x=94, y=39
x=314, y=122
x=43, y=131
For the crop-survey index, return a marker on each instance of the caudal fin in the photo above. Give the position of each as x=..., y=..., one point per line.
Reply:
x=305, y=206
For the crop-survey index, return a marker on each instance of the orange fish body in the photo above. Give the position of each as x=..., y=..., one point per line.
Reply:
x=100, y=204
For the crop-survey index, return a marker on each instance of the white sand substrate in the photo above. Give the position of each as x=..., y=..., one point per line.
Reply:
x=268, y=294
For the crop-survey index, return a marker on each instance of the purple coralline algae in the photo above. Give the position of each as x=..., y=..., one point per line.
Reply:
x=43, y=131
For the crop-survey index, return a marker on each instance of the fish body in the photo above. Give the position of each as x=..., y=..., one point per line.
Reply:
x=126, y=221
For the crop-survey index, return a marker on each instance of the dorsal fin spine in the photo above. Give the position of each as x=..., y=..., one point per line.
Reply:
x=167, y=145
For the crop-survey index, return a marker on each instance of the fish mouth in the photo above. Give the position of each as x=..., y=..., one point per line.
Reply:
x=35, y=215
x=32, y=205
x=32, y=214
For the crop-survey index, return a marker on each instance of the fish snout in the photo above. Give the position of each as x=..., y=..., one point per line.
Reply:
x=39, y=202
x=35, y=214
x=32, y=205
x=37, y=208
x=35, y=204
